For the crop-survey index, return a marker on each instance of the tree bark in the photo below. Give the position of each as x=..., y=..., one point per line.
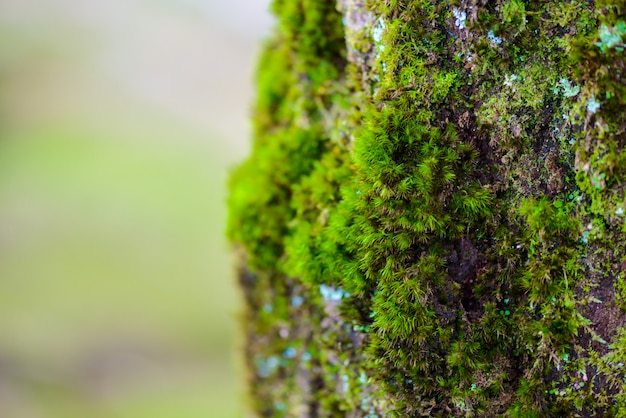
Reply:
x=431, y=222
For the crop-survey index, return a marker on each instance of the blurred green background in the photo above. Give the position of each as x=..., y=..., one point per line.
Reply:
x=118, y=122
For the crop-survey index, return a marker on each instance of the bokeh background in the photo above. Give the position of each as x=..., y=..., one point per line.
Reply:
x=119, y=120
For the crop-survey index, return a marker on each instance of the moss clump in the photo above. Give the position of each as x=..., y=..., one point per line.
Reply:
x=431, y=222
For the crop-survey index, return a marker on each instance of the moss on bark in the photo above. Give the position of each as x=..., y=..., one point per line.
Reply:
x=431, y=222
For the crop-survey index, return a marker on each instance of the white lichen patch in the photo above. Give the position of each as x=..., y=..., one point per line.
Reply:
x=357, y=21
x=510, y=79
x=493, y=38
x=593, y=105
x=377, y=34
x=459, y=18
x=565, y=86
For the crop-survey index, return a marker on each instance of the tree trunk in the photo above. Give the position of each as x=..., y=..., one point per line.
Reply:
x=432, y=220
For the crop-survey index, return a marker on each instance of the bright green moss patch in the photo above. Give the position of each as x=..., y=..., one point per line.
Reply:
x=435, y=227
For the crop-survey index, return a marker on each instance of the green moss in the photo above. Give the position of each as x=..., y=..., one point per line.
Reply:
x=434, y=227
x=514, y=14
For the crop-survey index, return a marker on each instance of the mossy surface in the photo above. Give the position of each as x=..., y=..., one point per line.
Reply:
x=431, y=222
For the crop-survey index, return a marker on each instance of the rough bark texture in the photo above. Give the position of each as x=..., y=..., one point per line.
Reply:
x=432, y=220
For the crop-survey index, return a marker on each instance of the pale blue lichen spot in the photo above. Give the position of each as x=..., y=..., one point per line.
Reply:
x=290, y=352
x=493, y=38
x=459, y=18
x=565, y=86
x=593, y=105
x=377, y=34
x=509, y=79
x=332, y=294
x=296, y=301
